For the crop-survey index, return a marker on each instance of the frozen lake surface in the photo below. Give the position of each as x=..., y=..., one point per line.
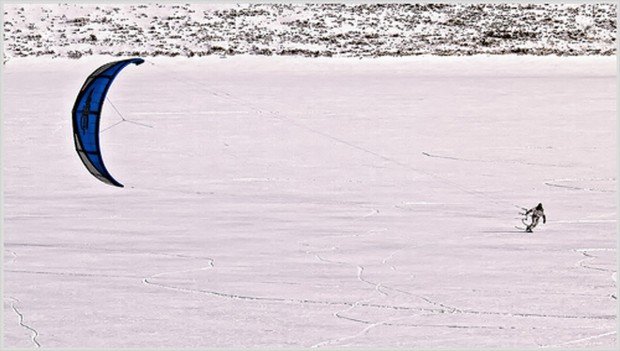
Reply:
x=291, y=202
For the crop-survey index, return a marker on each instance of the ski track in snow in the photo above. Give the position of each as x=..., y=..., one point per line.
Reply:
x=362, y=332
x=364, y=234
x=440, y=307
x=582, y=263
x=360, y=270
x=363, y=302
x=384, y=261
x=100, y=249
x=555, y=183
x=495, y=161
x=73, y=274
x=391, y=322
x=339, y=314
x=149, y=280
x=576, y=341
x=578, y=188
x=20, y=316
x=374, y=212
x=379, y=290
x=551, y=183
x=88, y=248
x=590, y=258
x=377, y=286
x=444, y=308
x=33, y=331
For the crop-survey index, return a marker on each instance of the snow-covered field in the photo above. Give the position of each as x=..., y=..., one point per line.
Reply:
x=294, y=202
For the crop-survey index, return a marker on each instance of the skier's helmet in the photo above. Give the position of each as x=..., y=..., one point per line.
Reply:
x=539, y=207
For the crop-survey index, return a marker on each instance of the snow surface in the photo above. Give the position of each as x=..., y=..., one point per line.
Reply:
x=294, y=202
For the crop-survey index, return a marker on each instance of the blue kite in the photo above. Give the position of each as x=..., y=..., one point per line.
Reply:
x=87, y=113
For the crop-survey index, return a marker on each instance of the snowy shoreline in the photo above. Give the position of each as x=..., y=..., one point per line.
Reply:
x=488, y=65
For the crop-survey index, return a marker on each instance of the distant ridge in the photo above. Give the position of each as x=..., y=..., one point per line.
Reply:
x=353, y=30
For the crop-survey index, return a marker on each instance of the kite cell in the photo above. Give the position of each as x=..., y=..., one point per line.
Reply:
x=87, y=113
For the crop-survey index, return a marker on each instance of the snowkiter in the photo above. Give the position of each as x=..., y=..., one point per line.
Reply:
x=536, y=213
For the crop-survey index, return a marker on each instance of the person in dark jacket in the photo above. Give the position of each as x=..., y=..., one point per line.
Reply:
x=536, y=213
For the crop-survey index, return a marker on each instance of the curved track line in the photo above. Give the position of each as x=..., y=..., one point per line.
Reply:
x=588, y=257
x=360, y=271
x=578, y=188
x=372, y=213
x=100, y=249
x=76, y=247
x=554, y=183
x=33, y=331
x=367, y=233
x=340, y=314
x=581, y=339
x=443, y=308
x=148, y=279
x=291, y=300
x=384, y=261
x=495, y=161
x=422, y=325
x=322, y=259
x=360, y=333
x=20, y=316
x=451, y=309
x=389, y=322
x=72, y=274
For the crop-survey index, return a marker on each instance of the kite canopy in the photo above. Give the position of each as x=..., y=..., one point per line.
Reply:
x=87, y=113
